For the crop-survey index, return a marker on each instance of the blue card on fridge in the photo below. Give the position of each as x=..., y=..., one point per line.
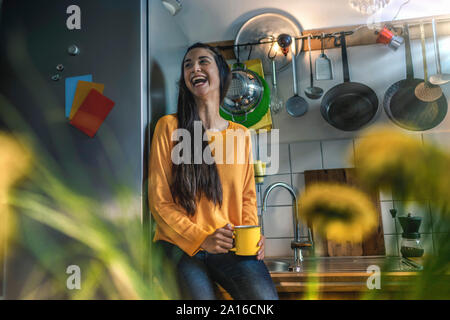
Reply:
x=71, y=87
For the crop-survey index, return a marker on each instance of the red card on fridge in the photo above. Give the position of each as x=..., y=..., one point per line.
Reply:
x=92, y=113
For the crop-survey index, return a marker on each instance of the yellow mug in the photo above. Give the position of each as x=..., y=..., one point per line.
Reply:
x=246, y=240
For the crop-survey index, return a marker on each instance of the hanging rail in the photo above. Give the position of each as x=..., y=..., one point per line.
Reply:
x=357, y=35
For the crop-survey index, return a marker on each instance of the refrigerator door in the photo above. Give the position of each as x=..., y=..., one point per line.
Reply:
x=44, y=42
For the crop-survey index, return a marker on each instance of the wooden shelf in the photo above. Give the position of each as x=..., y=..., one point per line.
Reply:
x=362, y=35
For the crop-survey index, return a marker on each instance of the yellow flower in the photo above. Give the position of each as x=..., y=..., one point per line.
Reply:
x=14, y=164
x=15, y=160
x=385, y=158
x=338, y=212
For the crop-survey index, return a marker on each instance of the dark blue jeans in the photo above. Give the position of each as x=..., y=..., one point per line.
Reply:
x=243, y=277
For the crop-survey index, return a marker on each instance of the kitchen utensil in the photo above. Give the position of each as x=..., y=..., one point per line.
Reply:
x=324, y=69
x=262, y=27
x=244, y=93
x=312, y=92
x=350, y=105
x=247, y=99
x=425, y=90
x=296, y=106
x=411, y=246
x=276, y=103
x=403, y=107
x=439, y=78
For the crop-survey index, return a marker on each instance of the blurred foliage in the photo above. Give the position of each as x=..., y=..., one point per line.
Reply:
x=391, y=161
x=337, y=211
x=57, y=225
x=15, y=162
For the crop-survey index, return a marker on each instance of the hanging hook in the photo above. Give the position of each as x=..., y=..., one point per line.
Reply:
x=270, y=50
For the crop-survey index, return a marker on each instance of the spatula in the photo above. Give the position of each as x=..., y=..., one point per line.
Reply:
x=323, y=65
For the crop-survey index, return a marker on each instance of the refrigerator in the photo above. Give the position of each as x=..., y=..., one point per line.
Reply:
x=45, y=42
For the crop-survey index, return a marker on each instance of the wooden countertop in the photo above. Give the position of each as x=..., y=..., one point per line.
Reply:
x=327, y=283
x=337, y=281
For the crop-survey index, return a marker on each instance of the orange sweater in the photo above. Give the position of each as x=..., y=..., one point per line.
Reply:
x=239, y=205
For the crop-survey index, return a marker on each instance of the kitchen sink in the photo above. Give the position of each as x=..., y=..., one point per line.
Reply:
x=277, y=266
x=344, y=264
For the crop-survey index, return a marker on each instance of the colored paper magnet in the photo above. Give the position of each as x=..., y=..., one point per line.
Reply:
x=71, y=87
x=92, y=113
x=83, y=89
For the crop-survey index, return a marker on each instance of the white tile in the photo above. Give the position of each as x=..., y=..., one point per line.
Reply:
x=278, y=222
x=274, y=154
x=388, y=221
x=278, y=248
x=417, y=136
x=439, y=239
x=254, y=145
x=258, y=194
x=439, y=224
x=386, y=195
x=337, y=153
x=416, y=208
x=305, y=156
x=281, y=155
x=391, y=244
x=427, y=243
x=298, y=182
x=441, y=139
x=278, y=196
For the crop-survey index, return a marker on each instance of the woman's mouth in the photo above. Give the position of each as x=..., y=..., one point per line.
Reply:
x=198, y=81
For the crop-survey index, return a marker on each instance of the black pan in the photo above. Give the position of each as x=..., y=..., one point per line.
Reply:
x=350, y=105
x=404, y=108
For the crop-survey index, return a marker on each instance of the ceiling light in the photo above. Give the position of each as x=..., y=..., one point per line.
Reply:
x=368, y=7
x=173, y=6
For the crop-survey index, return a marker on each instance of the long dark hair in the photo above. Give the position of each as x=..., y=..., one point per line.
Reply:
x=191, y=180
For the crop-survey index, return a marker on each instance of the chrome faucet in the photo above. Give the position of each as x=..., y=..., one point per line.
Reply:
x=297, y=245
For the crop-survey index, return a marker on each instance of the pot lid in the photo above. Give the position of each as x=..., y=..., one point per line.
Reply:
x=265, y=27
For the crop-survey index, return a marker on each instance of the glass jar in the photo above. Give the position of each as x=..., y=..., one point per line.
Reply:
x=411, y=248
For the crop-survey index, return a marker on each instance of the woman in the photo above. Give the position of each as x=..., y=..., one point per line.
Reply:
x=196, y=203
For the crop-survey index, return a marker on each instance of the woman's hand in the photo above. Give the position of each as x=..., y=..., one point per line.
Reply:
x=260, y=255
x=221, y=241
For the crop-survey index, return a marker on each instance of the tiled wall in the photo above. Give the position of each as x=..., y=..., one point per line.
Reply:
x=297, y=157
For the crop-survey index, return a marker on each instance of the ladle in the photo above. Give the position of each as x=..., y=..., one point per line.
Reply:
x=439, y=78
x=426, y=91
x=312, y=92
x=296, y=106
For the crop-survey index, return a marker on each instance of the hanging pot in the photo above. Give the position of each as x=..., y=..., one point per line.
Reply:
x=350, y=105
x=404, y=108
x=247, y=99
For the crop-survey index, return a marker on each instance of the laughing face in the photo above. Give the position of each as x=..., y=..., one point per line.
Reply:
x=201, y=73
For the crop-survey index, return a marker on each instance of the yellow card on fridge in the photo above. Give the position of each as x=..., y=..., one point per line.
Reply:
x=83, y=88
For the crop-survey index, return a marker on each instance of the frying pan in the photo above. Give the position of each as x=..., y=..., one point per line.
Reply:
x=404, y=108
x=350, y=105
